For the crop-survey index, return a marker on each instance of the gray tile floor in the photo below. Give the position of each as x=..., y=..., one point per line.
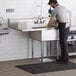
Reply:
x=7, y=68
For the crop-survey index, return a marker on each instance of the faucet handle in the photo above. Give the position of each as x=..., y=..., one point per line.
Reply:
x=36, y=21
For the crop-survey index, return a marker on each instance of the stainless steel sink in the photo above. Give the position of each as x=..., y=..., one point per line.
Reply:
x=28, y=24
x=3, y=27
x=4, y=31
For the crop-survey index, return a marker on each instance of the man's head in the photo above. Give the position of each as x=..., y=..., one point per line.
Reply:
x=53, y=3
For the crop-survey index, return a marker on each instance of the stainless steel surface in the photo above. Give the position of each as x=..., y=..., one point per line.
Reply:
x=38, y=27
x=42, y=50
x=32, y=49
x=4, y=31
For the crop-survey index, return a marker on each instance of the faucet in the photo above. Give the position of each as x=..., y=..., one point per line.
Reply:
x=39, y=20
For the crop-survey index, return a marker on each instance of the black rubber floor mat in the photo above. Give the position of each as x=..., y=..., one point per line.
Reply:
x=46, y=67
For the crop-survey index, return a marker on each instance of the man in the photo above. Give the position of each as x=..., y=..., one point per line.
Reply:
x=61, y=15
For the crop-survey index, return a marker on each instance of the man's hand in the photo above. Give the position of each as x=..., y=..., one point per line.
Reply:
x=47, y=26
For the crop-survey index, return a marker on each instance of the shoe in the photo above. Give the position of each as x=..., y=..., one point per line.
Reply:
x=65, y=62
x=60, y=61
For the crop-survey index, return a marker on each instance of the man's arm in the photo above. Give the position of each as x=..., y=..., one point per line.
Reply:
x=50, y=22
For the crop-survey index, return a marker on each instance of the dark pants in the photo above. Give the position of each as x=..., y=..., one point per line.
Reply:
x=63, y=35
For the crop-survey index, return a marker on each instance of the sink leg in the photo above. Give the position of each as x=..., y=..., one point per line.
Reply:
x=42, y=50
x=32, y=50
x=57, y=49
x=47, y=47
